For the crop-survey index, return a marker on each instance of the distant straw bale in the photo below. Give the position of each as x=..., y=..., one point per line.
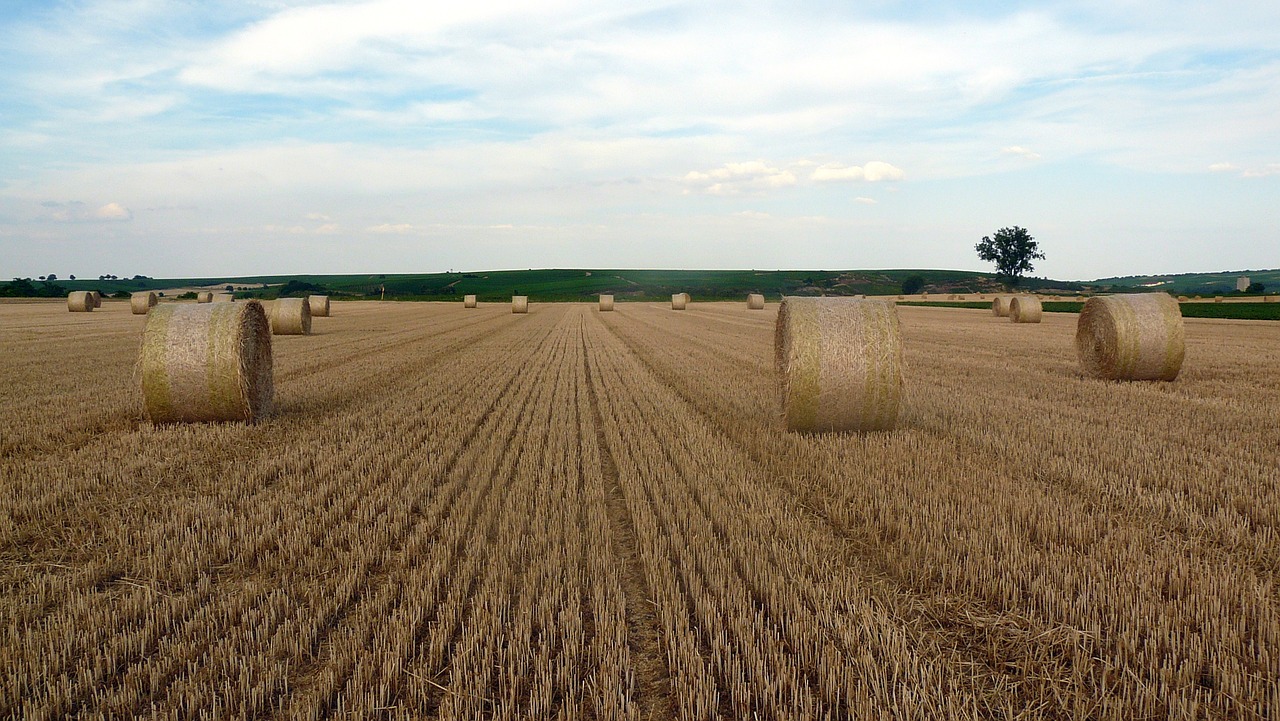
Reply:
x=80, y=301
x=142, y=302
x=1217, y=299
x=606, y=302
x=290, y=316
x=1025, y=309
x=318, y=305
x=679, y=301
x=755, y=301
x=97, y=298
x=1000, y=306
x=519, y=304
x=206, y=363
x=204, y=297
x=1131, y=337
x=839, y=364
x=468, y=301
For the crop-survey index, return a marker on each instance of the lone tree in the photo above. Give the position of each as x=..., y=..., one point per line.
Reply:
x=1012, y=250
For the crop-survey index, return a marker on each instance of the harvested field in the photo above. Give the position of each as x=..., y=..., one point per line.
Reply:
x=468, y=513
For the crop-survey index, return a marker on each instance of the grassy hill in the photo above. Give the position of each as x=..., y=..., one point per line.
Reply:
x=1195, y=283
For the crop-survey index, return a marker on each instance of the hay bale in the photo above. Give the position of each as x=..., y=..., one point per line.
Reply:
x=1217, y=299
x=290, y=316
x=80, y=301
x=468, y=301
x=1182, y=299
x=318, y=305
x=519, y=304
x=606, y=302
x=755, y=301
x=206, y=363
x=1131, y=337
x=224, y=298
x=679, y=301
x=97, y=298
x=839, y=364
x=1025, y=309
x=204, y=297
x=142, y=302
x=1000, y=306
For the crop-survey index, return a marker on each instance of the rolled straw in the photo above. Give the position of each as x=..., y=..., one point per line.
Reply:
x=468, y=301
x=839, y=364
x=1000, y=306
x=1025, y=309
x=679, y=301
x=97, y=299
x=142, y=301
x=204, y=297
x=206, y=362
x=80, y=301
x=1131, y=337
x=318, y=305
x=519, y=304
x=755, y=301
x=290, y=316
x=606, y=302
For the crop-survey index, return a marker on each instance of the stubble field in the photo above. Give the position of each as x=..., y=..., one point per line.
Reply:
x=582, y=515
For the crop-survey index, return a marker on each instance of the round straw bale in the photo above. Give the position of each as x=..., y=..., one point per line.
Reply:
x=519, y=304
x=290, y=316
x=80, y=301
x=606, y=301
x=204, y=296
x=468, y=301
x=755, y=301
x=1131, y=337
x=206, y=363
x=1182, y=299
x=224, y=298
x=1217, y=299
x=839, y=364
x=679, y=301
x=1025, y=309
x=97, y=298
x=1000, y=306
x=318, y=305
x=142, y=301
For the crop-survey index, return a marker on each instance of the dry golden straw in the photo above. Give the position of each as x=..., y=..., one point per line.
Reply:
x=206, y=363
x=142, y=301
x=1271, y=298
x=290, y=316
x=519, y=304
x=1217, y=299
x=755, y=301
x=606, y=302
x=679, y=301
x=224, y=298
x=1000, y=306
x=839, y=364
x=97, y=298
x=468, y=301
x=318, y=305
x=1131, y=337
x=80, y=301
x=1182, y=299
x=204, y=297
x=1025, y=309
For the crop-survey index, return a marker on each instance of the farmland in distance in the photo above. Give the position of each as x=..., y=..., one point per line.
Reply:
x=571, y=514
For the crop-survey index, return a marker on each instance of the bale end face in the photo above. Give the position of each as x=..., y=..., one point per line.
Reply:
x=606, y=302
x=839, y=364
x=80, y=301
x=519, y=304
x=1025, y=309
x=206, y=363
x=290, y=316
x=1131, y=337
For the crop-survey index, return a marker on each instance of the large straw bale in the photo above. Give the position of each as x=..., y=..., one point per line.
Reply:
x=1000, y=306
x=318, y=305
x=206, y=363
x=204, y=296
x=519, y=304
x=606, y=302
x=755, y=301
x=679, y=301
x=1025, y=309
x=1131, y=337
x=97, y=298
x=80, y=301
x=468, y=301
x=290, y=316
x=839, y=364
x=142, y=302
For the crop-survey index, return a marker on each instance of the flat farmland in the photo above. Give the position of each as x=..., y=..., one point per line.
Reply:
x=570, y=514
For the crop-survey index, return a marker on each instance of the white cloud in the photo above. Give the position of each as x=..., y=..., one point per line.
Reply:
x=734, y=178
x=392, y=228
x=874, y=171
x=327, y=229
x=1021, y=152
x=1262, y=172
x=865, y=201
x=79, y=212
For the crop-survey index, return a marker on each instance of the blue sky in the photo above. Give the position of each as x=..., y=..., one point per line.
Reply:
x=188, y=139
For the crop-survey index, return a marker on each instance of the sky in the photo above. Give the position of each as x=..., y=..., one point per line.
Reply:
x=186, y=138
